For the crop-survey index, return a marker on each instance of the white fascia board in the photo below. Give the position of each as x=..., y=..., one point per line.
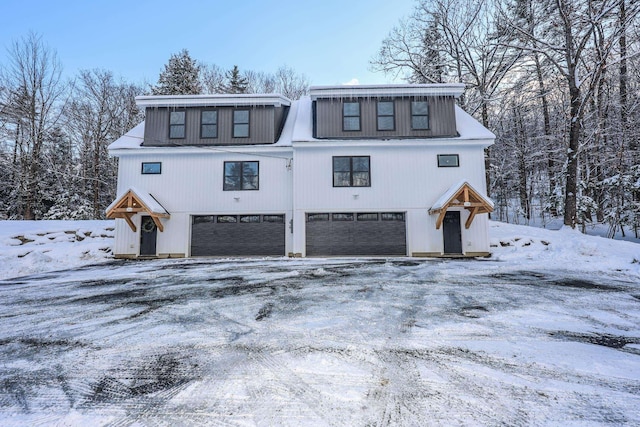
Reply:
x=218, y=100
x=443, y=142
x=347, y=91
x=222, y=149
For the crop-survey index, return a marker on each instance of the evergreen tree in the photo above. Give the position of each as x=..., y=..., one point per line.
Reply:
x=236, y=83
x=181, y=76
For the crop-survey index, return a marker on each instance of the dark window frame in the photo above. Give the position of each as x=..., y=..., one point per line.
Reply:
x=242, y=175
x=367, y=216
x=203, y=124
x=351, y=171
x=457, y=165
x=142, y=169
x=392, y=115
x=413, y=115
x=343, y=216
x=359, y=116
x=393, y=216
x=182, y=125
x=317, y=216
x=247, y=123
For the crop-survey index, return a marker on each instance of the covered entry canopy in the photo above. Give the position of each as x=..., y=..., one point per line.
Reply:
x=134, y=201
x=462, y=194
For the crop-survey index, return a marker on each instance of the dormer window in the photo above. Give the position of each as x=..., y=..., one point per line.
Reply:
x=351, y=116
x=386, y=115
x=177, y=124
x=241, y=123
x=209, y=124
x=419, y=115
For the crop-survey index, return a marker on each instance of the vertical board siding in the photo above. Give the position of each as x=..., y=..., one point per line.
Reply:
x=441, y=119
x=263, y=126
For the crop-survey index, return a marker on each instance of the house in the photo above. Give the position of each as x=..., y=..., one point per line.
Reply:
x=348, y=170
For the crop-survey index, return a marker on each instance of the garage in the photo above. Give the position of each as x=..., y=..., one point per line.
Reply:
x=362, y=233
x=238, y=235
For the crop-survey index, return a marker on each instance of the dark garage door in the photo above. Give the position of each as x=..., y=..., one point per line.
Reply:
x=237, y=235
x=356, y=234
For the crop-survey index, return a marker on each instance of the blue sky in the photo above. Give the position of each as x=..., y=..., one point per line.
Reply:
x=330, y=41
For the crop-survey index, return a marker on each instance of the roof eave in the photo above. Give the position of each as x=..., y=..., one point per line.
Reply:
x=217, y=100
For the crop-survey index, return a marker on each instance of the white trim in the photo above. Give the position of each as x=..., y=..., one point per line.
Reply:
x=218, y=100
x=347, y=91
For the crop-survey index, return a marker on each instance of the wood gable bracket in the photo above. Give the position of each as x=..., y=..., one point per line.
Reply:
x=462, y=196
x=131, y=203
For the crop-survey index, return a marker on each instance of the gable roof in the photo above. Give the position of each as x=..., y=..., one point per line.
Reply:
x=135, y=201
x=461, y=194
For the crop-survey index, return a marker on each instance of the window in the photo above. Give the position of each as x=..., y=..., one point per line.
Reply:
x=317, y=217
x=386, y=120
x=351, y=171
x=249, y=218
x=419, y=115
x=342, y=216
x=448, y=161
x=367, y=217
x=226, y=219
x=202, y=219
x=240, y=176
x=208, y=124
x=392, y=216
x=151, y=168
x=241, y=123
x=177, y=124
x=351, y=116
x=273, y=218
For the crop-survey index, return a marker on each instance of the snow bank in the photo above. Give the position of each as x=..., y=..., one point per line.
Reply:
x=564, y=249
x=28, y=247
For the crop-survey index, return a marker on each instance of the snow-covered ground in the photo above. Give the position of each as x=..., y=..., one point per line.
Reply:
x=544, y=332
x=28, y=247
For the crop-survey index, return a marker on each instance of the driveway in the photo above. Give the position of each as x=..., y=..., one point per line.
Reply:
x=338, y=342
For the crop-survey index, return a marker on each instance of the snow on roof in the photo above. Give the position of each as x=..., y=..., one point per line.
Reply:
x=299, y=127
x=446, y=197
x=217, y=100
x=350, y=91
x=289, y=124
x=131, y=139
x=470, y=128
x=303, y=126
x=149, y=201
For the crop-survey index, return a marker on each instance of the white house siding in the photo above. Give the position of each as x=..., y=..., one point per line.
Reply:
x=191, y=183
x=405, y=177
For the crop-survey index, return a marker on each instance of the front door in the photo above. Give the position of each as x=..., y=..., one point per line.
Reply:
x=148, y=234
x=452, y=233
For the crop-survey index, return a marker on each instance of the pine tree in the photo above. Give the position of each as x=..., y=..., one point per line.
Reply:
x=236, y=83
x=181, y=76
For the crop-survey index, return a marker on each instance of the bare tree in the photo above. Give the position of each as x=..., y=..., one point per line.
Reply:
x=33, y=96
x=101, y=110
x=291, y=84
x=577, y=38
x=213, y=78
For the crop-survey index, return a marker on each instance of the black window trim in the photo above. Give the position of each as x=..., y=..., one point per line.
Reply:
x=359, y=116
x=457, y=165
x=202, y=124
x=151, y=173
x=333, y=179
x=248, y=123
x=183, y=124
x=421, y=115
x=242, y=162
x=392, y=115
